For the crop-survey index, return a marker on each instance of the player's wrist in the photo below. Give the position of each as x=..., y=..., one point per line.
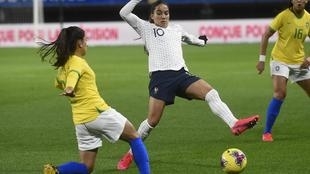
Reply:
x=262, y=58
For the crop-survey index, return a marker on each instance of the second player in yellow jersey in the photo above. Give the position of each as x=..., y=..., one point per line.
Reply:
x=289, y=61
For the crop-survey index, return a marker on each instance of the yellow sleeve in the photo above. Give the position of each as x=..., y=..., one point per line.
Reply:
x=277, y=22
x=72, y=78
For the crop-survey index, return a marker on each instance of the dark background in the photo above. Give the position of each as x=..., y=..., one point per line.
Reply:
x=62, y=12
x=177, y=11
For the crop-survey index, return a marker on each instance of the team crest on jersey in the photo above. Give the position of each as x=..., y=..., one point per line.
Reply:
x=155, y=90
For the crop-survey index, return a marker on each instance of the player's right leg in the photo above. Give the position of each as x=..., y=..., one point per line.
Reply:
x=156, y=108
x=219, y=108
x=126, y=160
x=280, y=74
x=138, y=151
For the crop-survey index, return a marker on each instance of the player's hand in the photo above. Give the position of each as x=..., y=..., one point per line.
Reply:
x=260, y=67
x=204, y=38
x=305, y=64
x=68, y=92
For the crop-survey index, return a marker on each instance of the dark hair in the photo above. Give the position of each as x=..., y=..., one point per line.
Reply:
x=153, y=6
x=290, y=4
x=63, y=47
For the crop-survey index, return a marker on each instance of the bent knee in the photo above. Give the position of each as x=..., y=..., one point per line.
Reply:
x=279, y=95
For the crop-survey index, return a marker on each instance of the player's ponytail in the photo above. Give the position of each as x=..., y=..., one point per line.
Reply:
x=63, y=47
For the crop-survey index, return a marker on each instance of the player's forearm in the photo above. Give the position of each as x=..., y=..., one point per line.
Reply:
x=72, y=79
x=193, y=40
x=128, y=8
x=264, y=45
x=198, y=42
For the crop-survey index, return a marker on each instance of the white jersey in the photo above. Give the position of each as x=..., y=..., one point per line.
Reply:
x=164, y=45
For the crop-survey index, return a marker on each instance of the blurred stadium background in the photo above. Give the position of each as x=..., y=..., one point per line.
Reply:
x=224, y=21
x=36, y=125
x=13, y=11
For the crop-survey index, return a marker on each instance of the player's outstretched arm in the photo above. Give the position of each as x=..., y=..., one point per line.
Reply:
x=126, y=11
x=194, y=40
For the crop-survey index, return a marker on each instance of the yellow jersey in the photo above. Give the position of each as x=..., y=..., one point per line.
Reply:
x=87, y=102
x=292, y=32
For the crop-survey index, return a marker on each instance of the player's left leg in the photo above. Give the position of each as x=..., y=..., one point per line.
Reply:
x=66, y=168
x=156, y=108
x=203, y=91
x=88, y=158
x=50, y=169
x=279, y=94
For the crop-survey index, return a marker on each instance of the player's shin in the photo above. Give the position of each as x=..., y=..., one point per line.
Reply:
x=219, y=108
x=140, y=155
x=144, y=129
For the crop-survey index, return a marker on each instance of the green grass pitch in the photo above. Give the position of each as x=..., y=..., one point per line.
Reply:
x=36, y=126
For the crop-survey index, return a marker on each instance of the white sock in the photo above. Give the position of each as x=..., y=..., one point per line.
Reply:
x=219, y=108
x=144, y=130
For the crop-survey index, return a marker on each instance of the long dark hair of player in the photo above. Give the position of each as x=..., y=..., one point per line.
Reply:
x=63, y=47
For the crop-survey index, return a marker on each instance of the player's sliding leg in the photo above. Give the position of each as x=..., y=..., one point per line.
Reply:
x=219, y=108
x=67, y=168
x=50, y=169
x=126, y=160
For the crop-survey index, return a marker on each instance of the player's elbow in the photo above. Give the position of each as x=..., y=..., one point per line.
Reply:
x=122, y=13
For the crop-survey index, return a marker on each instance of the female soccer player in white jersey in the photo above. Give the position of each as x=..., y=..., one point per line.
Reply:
x=92, y=116
x=288, y=59
x=169, y=76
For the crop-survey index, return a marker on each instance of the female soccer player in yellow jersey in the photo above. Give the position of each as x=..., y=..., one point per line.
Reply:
x=288, y=59
x=169, y=75
x=92, y=116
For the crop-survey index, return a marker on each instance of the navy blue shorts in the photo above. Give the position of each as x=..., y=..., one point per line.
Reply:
x=165, y=85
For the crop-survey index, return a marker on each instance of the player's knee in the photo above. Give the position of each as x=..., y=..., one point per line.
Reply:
x=129, y=132
x=152, y=123
x=280, y=95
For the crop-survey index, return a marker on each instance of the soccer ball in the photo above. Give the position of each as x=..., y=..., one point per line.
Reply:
x=233, y=161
